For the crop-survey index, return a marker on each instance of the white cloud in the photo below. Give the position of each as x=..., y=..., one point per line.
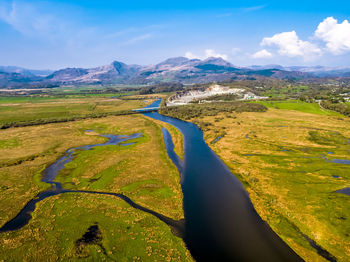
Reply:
x=254, y=8
x=41, y=22
x=223, y=15
x=28, y=20
x=134, y=30
x=236, y=51
x=336, y=36
x=262, y=54
x=212, y=53
x=208, y=53
x=121, y=33
x=138, y=39
x=289, y=44
x=190, y=55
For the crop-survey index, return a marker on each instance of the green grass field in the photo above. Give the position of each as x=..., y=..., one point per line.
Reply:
x=23, y=110
x=298, y=105
x=63, y=93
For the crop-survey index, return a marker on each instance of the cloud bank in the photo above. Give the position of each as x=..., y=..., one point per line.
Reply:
x=289, y=44
x=333, y=38
x=262, y=54
x=335, y=35
x=208, y=53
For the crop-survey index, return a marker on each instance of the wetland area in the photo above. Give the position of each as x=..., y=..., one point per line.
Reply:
x=151, y=187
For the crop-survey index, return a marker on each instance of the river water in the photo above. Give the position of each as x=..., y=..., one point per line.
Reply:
x=221, y=223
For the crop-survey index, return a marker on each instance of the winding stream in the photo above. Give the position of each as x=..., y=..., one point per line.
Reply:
x=51, y=172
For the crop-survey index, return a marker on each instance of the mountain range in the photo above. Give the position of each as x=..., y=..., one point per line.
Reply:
x=178, y=69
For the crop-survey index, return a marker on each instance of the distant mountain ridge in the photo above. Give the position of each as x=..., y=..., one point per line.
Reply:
x=177, y=69
x=318, y=71
x=24, y=71
x=16, y=79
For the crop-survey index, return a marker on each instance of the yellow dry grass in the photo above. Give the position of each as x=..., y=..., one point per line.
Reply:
x=177, y=137
x=269, y=153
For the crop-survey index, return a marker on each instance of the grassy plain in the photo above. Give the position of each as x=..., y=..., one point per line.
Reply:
x=19, y=109
x=149, y=96
x=141, y=171
x=284, y=159
x=285, y=91
x=298, y=105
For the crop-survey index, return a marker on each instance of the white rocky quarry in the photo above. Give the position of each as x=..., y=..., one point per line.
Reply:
x=184, y=98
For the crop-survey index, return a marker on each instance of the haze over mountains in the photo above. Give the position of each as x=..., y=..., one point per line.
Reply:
x=178, y=69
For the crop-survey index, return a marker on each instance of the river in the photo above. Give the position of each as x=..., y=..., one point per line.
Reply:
x=221, y=223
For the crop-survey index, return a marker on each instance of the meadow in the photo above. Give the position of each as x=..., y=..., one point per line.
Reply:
x=141, y=171
x=37, y=110
x=298, y=105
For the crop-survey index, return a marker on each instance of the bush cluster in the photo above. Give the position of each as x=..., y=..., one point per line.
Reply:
x=42, y=121
x=341, y=108
x=210, y=109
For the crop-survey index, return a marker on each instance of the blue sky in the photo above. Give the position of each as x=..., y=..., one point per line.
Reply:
x=83, y=33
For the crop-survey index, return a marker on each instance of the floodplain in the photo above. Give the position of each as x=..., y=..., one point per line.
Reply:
x=60, y=225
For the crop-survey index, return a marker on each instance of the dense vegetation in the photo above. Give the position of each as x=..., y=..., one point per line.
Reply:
x=340, y=107
x=42, y=121
x=210, y=109
x=224, y=97
x=307, y=90
x=161, y=88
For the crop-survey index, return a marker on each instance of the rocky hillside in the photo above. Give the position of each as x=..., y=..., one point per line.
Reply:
x=8, y=79
x=178, y=69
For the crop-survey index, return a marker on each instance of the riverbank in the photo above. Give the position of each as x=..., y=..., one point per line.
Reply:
x=177, y=138
x=279, y=157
